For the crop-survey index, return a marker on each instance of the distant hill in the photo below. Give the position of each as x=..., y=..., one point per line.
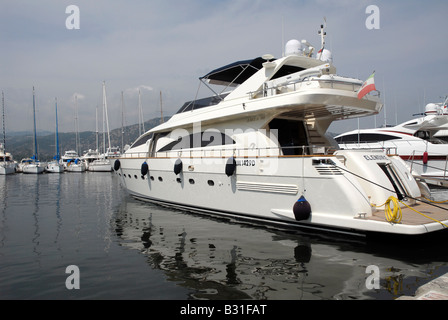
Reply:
x=20, y=145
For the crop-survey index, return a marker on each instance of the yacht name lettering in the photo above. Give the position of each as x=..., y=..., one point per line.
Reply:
x=375, y=157
x=245, y=163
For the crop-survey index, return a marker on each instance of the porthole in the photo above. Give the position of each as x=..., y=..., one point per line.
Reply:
x=135, y=176
x=152, y=178
x=179, y=180
x=191, y=181
x=160, y=179
x=211, y=183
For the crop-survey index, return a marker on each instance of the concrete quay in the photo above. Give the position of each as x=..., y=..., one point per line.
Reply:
x=436, y=289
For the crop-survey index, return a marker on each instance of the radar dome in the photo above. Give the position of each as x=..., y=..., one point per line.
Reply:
x=326, y=56
x=432, y=108
x=293, y=47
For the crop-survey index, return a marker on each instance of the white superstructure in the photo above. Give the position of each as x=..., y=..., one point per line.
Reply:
x=257, y=150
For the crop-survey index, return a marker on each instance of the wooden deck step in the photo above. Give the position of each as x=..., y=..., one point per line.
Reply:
x=410, y=217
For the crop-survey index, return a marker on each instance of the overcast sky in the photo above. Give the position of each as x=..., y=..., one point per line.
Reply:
x=165, y=46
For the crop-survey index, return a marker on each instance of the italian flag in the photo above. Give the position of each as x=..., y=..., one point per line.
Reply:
x=367, y=86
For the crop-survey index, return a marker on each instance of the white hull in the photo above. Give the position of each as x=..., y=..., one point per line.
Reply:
x=33, y=168
x=100, y=166
x=54, y=167
x=80, y=167
x=7, y=168
x=339, y=201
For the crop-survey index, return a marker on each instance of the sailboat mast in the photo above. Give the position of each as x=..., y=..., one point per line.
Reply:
x=139, y=114
x=77, y=125
x=58, y=156
x=36, y=157
x=3, y=125
x=122, y=119
x=96, y=127
x=161, y=108
x=105, y=112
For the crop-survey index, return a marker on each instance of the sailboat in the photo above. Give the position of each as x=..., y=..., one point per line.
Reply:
x=112, y=152
x=76, y=164
x=34, y=166
x=7, y=165
x=55, y=166
x=99, y=162
x=103, y=163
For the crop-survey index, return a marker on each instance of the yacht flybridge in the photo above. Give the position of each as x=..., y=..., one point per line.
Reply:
x=257, y=150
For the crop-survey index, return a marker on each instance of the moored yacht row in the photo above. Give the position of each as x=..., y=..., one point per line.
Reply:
x=92, y=160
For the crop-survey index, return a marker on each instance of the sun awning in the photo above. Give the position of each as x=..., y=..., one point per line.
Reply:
x=235, y=73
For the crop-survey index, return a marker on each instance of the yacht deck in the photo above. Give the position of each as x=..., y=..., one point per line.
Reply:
x=438, y=212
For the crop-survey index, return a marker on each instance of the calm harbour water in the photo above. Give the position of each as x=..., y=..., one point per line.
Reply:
x=127, y=249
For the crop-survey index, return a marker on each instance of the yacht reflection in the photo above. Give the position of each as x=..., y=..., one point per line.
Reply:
x=214, y=263
x=221, y=259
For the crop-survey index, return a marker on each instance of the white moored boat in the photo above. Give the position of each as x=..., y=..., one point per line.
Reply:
x=33, y=166
x=55, y=166
x=259, y=152
x=415, y=141
x=7, y=164
x=96, y=162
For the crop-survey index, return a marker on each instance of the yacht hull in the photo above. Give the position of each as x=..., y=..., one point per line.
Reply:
x=54, y=168
x=7, y=169
x=76, y=168
x=267, y=189
x=100, y=166
x=33, y=169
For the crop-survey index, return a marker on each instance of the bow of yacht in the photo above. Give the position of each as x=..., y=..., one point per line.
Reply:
x=258, y=150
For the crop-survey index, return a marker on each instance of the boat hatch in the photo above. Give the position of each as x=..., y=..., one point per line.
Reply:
x=393, y=178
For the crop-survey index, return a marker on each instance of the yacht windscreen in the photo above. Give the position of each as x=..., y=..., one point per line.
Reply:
x=286, y=70
x=201, y=103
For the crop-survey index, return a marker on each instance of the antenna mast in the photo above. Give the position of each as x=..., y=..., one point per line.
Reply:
x=323, y=34
x=161, y=109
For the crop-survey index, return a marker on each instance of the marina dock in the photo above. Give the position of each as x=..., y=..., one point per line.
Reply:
x=436, y=289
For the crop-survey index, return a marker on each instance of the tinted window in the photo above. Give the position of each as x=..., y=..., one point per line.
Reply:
x=197, y=140
x=365, y=137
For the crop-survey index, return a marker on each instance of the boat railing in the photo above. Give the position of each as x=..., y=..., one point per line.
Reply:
x=272, y=88
x=305, y=150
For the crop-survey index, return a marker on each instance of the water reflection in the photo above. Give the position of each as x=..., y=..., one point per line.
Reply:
x=219, y=259
x=4, y=204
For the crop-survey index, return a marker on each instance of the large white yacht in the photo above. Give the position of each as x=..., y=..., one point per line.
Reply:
x=415, y=141
x=259, y=152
